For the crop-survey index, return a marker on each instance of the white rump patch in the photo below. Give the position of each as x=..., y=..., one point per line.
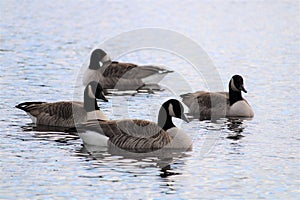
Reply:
x=154, y=79
x=32, y=118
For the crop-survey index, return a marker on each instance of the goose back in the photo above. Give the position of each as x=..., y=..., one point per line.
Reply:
x=220, y=104
x=131, y=71
x=131, y=134
x=110, y=82
x=120, y=75
x=67, y=113
x=207, y=104
x=64, y=114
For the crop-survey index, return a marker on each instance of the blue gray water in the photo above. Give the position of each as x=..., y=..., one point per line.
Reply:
x=45, y=44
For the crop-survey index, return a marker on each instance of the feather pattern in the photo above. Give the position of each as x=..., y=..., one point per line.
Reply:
x=131, y=134
x=139, y=135
x=131, y=71
x=219, y=104
x=119, y=75
x=56, y=114
x=65, y=113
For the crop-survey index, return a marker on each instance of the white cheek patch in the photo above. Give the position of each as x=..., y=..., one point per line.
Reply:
x=233, y=86
x=90, y=92
x=171, y=110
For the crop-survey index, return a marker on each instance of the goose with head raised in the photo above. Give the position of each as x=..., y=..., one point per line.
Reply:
x=139, y=135
x=67, y=113
x=220, y=104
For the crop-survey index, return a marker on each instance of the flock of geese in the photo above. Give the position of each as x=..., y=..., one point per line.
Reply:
x=95, y=128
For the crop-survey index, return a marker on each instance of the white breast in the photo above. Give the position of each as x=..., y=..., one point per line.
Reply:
x=93, y=138
x=180, y=139
x=240, y=109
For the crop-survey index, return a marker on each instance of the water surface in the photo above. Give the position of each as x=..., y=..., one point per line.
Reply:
x=43, y=47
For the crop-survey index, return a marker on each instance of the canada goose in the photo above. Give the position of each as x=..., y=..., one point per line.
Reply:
x=220, y=104
x=67, y=113
x=121, y=76
x=139, y=135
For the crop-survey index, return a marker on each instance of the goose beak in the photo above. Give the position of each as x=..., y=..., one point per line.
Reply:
x=101, y=96
x=104, y=99
x=243, y=89
x=184, y=118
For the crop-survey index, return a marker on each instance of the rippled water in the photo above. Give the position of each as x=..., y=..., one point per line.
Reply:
x=43, y=47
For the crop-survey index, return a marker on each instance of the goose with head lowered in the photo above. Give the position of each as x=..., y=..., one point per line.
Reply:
x=139, y=135
x=220, y=104
x=119, y=75
x=67, y=113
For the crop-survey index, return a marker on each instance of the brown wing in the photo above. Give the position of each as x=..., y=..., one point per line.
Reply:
x=118, y=70
x=62, y=113
x=212, y=104
x=206, y=104
x=131, y=134
x=132, y=71
x=211, y=99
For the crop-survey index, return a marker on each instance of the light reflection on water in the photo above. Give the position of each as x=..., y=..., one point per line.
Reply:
x=42, y=50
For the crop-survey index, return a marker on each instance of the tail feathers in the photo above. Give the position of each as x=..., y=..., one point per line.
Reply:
x=156, y=75
x=24, y=106
x=188, y=99
x=158, y=69
x=166, y=71
x=186, y=95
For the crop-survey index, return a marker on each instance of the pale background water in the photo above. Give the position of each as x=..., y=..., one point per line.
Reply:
x=44, y=45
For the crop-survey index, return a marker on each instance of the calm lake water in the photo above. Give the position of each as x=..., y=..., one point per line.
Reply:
x=44, y=46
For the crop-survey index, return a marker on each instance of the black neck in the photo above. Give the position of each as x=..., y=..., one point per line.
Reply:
x=164, y=120
x=94, y=64
x=90, y=104
x=234, y=96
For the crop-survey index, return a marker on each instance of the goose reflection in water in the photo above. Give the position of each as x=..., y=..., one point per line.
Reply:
x=50, y=133
x=236, y=126
x=162, y=158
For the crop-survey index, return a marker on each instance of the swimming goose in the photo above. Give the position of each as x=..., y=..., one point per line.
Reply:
x=139, y=135
x=121, y=76
x=220, y=104
x=67, y=113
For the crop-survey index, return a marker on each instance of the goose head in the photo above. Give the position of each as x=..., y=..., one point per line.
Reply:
x=99, y=58
x=92, y=92
x=169, y=109
x=237, y=84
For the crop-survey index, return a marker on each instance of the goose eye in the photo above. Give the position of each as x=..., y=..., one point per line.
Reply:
x=101, y=64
